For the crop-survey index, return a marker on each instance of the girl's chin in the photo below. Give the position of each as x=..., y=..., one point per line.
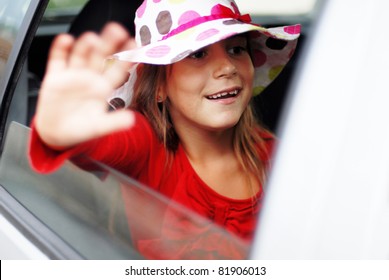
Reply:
x=222, y=126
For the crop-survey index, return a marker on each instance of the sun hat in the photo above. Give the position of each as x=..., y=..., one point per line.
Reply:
x=167, y=31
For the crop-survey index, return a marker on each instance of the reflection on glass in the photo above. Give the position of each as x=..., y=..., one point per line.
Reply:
x=58, y=8
x=106, y=215
x=11, y=16
x=163, y=229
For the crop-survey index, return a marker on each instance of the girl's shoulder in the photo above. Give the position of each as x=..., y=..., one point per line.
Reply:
x=266, y=134
x=267, y=143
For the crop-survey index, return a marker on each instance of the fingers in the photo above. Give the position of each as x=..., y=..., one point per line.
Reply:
x=129, y=45
x=114, y=37
x=117, y=72
x=59, y=53
x=91, y=49
x=86, y=46
x=90, y=52
x=117, y=39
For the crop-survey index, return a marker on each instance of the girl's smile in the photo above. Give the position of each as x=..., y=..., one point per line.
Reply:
x=225, y=96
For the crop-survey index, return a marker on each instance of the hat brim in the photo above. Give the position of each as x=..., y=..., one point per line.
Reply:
x=180, y=45
x=271, y=48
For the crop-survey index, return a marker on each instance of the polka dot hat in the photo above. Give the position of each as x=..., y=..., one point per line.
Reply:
x=169, y=30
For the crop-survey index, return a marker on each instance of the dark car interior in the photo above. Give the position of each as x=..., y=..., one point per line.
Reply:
x=96, y=13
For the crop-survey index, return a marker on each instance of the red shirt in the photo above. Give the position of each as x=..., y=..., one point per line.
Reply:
x=138, y=153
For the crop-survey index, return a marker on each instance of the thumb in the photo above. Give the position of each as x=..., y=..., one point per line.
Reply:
x=115, y=121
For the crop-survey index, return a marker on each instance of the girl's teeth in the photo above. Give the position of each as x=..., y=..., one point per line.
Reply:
x=235, y=92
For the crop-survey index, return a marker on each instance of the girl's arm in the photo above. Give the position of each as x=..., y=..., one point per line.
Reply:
x=126, y=150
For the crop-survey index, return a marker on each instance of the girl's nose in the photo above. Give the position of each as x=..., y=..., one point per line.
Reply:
x=224, y=66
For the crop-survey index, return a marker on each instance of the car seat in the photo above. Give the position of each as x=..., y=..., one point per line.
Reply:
x=96, y=13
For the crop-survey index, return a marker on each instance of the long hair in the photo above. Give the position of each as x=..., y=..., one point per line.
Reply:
x=151, y=79
x=248, y=144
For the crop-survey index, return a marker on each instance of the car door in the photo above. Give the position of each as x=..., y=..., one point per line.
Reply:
x=328, y=195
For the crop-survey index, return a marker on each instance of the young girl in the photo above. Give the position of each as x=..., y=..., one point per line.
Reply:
x=189, y=131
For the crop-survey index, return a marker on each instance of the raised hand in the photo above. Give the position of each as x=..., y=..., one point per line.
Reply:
x=72, y=105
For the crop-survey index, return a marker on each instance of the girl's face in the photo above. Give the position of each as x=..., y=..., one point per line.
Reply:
x=212, y=87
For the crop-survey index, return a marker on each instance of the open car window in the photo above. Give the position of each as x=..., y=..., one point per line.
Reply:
x=327, y=194
x=10, y=21
x=105, y=215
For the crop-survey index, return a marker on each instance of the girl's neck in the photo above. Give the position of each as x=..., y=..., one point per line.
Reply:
x=213, y=159
x=201, y=145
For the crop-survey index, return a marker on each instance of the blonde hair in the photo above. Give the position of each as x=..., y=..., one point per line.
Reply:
x=249, y=146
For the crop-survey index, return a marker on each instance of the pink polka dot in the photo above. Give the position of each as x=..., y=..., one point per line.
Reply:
x=159, y=51
x=259, y=58
x=295, y=29
x=207, y=34
x=141, y=10
x=156, y=1
x=187, y=16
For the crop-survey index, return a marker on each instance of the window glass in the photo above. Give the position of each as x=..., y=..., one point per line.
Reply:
x=11, y=16
x=106, y=215
x=64, y=7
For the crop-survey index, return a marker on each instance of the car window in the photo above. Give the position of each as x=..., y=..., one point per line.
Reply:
x=102, y=214
x=16, y=31
x=11, y=17
x=61, y=7
x=62, y=11
x=106, y=215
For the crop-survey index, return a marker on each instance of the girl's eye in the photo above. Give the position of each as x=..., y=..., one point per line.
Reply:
x=236, y=50
x=198, y=55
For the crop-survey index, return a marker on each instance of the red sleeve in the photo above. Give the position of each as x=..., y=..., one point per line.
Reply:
x=125, y=150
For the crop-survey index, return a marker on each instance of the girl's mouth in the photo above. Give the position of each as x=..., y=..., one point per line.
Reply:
x=223, y=95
